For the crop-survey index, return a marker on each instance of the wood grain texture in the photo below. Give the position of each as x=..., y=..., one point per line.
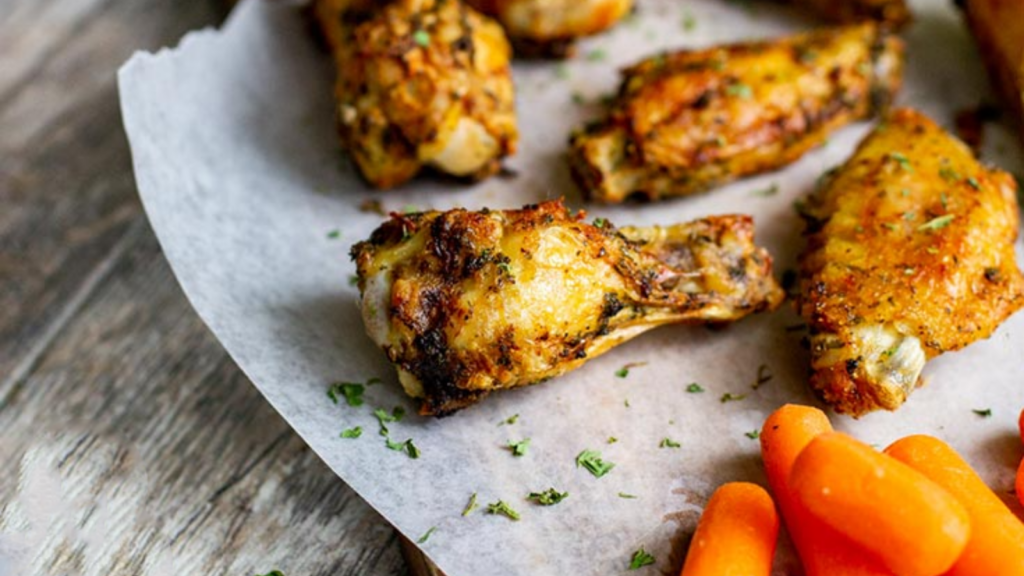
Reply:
x=132, y=443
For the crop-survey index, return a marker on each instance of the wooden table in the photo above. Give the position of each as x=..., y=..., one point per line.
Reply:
x=131, y=442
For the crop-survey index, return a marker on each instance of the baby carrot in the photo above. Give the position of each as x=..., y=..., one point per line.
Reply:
x=1018, y=485
x=914, y=526
x=996, y=545
x=823, y=550
x=736, y=534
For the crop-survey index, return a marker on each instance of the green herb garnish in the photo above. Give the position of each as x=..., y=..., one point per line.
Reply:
x=694, y=388
x=549, y=497
x=273, y=573
x=519, y=448
x=501, y=507
x=600, y=222
x=903, y=161
x=510, y=420
x=421, y=37
x=352, y=432
x=739, y=90
x=625, y=496
x=383, y=417
x=763, y=377
x=426, y=535
x=937, y=223
x=689, y=22
x=766, y=192
x=408, y=447
x=351, y=391
x=612, y=439
x=730, y=397
x=987, y=412
x=334, y=234
x=973, y=183
x=948, y=174
x=591, y=460
x=640, y=559
x=753, y=434
x=597, y=55
x=471, y=505
x=624, y=371
x=668, y=443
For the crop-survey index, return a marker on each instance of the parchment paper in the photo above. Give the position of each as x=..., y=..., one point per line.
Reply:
x=237, y=163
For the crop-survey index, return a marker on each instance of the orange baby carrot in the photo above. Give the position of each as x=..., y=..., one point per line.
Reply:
x=1018, y=485
x=915, y=526
x=736, y=534
x=996, y=545
x=823, y=550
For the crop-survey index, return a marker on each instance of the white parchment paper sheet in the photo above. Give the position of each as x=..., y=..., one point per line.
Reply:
x=237, y=163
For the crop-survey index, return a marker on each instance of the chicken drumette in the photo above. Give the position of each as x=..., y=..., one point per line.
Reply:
x=420, y=83
x=550, y=27
x=909, y=255
x=464, y=303
x=686, y=121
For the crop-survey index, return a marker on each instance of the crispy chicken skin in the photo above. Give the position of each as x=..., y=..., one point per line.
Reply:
x=893, y=14
x=909, y=254
x=421, y=83
x=998, y=27
x=549, y=28
x=687, y=121
x=464, y=302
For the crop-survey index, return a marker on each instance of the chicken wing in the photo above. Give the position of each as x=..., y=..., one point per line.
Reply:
x=998, y=27
x=549, y=28
x=909, y=254
x=893, y=14
x=421, y=83
x=464, y=303
x=687, y=121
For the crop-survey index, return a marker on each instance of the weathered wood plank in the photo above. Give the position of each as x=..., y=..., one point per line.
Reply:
x=143, y=450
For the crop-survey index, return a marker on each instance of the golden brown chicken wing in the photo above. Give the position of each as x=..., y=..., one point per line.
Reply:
x=421, y=83
x=686, y=121
x=909, y=255
x=998, y=27
x=549, y=28
x=464, y=303
x=893, y=14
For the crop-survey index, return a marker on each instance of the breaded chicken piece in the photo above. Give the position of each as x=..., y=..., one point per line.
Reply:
x=421, y=83
x=909, y=254
x=893, y=14
x=688, y=121
x=549, y=28
x=464, y=303
x=998, y=27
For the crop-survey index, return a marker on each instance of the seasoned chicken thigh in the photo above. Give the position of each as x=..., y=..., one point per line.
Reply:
x=464, y=302
x=550, y=27
x=421, y=83
x=687, y=121
x=909, y=255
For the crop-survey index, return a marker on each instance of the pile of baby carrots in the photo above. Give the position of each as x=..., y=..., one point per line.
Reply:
x=914, y=509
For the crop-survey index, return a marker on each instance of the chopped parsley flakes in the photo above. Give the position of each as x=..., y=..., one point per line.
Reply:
x=730, y=397
x=273, y=573
x=351, y=391
x=739, y=90
x=627, y=496
x=334, y=234
x=501, y=507
x=421, y=37
x=668, y=443
x=763, y=377
x=987, y=412
x=597, y=55
x=640, y=559
x=426, y=535
x=624, y=371
x=694, y=388
x=591, y=460
x=510, y=420
x=408, y=447
x=471, y=505
x=352, y=432
x=549, y=497
x=383, y=417
x=937, y=223
x=753, y=434
x=519, y=448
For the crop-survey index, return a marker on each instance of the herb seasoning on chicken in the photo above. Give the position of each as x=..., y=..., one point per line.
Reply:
x=909, y=254
x=687, y=121
x=465, y=302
